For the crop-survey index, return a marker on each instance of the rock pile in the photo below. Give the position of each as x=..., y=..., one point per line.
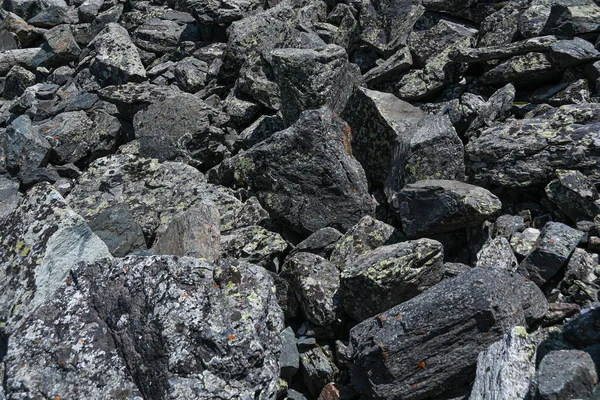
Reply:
x=299, y=199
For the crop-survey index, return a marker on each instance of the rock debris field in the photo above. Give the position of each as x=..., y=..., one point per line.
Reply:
x=299, y=199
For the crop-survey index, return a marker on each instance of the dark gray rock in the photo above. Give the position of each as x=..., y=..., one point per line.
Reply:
x=496, y=107
x=523, y=243
x=497, y=254
x=256, y=81
x=242, y=112
x=59, y=48
x=305, y=176
x=426, y=44
x=437, y=206
x=574, y=194
x=118, y=230
x=196, y=329
x=452, y=269
x=17, y=80
x=117, y=60
x=289, y=358
x=391, y=68
x=550, y=253
x=582, y=330
x=321, y=243
x=502, y=26
x=27, y=35
x=254, y=244
x=565, y=374
x=529, y=70
x=51, y=17
x=163, y=36
x=525, y=153
x=506, y=368
x=9, y=196
x=318, y=369
x=183, y=128
x=194, y=233
x=310, y=79
x=390, y=275
x=429, y=345
x=569, y=53
x=22, y=57
x=190, y=74
x=520, y=48
x=8, y=41
x=132, y=97
x=218, y=12
x=506, y=225
x=570, y=18
x=315, y=282
x=377, y=120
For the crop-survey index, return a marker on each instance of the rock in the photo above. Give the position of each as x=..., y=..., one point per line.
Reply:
x=79, y=138
x=574, y=194
x=525, y=153
x=581, y=330
x=8, y=41
x=303, y=189
x=220, y=12
x=569, y=53
x=45, y=238
x=529, y=70
x=59, y=48
x=387, y=25
x=118, y=230
x=523, y=243
x=242, y=112
x=89, y=9
x=132, y=97
x=551, y=251
x=329, y=392
x=310, y=79
x=497, y=254
x=497, y=107
x=565, y=374
x=27, y=35
x=142, y=183
x=454, y=269
x=256, y=81
x=502, y=26
x=506, y=368
x=9, y=196
x=377, y=120
x=254, y=244
x=321, y=243
x=437, y=206
x=317, y=369
x=183, y=128
x=289, y=358
x=17, y=80
x=390, y=275
x=315, y=283
x=567, y=18
x=432, y=150
x=390, y=68
x=196, y=233
x=427, y=44
x=429, y=344
x=507, y=225
x=190, y=74
x=163, y=36
x=50, y=17
x=22, y=57
x=23, y=149
x=117, y=60
x=534, y=46
x=196, y=329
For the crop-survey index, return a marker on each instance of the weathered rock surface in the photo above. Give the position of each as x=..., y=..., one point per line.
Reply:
x=566, y=374
x=574, y=194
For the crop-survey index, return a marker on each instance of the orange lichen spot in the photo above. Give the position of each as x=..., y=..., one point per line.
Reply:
x=398, y=316
x=421, y=365
x=232, y=336
x=348, y=139
x=69, y=280
x=82, y=340
x=126, y=269
x=20, y=163
x=354, y=190
x=55, y=137
x=216, y=285
x=421, y=332
x=385, y=356
x=255, y=326
x=186, y=296
x=56, y=397
x=414, y=385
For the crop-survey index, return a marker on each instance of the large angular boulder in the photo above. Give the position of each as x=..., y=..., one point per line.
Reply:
x=566, y=374
x=163, y=36
x=184, y=128
x=390, y=275
x=429, y=345
x=17, y=80
x=59, y=48
x=218, y=12
x=42, y=240
x=313, y=78
x=525, y=153
x=437, y=206
x=180, y=328
x=574, y=194
x=305, y=176
x=254, y=244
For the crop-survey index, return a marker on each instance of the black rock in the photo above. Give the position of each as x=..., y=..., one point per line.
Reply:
x=321, y=243
x=17, y=80
x=574, y=194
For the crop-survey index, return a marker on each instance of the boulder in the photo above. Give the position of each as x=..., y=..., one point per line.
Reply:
x=17, y=80
x=566, y=374
x=321, y=243
x=118, y=230
x=163, y=36
x=254, y=244
x=390, y=275
x=497, y=254
x=574, y=194
x=429, y=345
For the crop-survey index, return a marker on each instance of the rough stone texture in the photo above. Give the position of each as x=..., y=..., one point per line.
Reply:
x=526, y=70
x=183, y=128
x=566, y=374
x=523, y=243
x=43, y=239
x=506, y=368
x=311, y=79
x=429, y=345
x=321, y=243
x=296, y=190
x=551, y=251
x=162, y=36
x=582, y=330
x=117, y=60
x=216, y=328
x=254, y=244
x=366, y=235
x=497, y=254
x=377, y=120
x=574, y=194
x=289, y=358
x=59, y=48
x=118, y=230
x=195, y=233
x=317, y=369
x=218, y=12
x=525, y=153
x=436, y=206
x=17, y=80
x=315, y=282
x=390, y=275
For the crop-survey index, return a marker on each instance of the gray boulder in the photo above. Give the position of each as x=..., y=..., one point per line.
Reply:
x=310, y=79
x=581, y=330
x=289, y=358
x=22, y=57
x=429, y=345
x=196, y=329
x=255, y=245
x=437, y=206
x=218, y=12
x=497, y=254
x=565, y=374
x=529, y=70
x=17, y=80
x=9, y=196
x=321, y=243
x=390, y=275
x=190, y=74
x=163, y=36
x=317, y=369
x=118, y=230
x=59, y=48
x=315, y=282
x=550, y=253
x=574, y=194
x=305, y=176
x=506, y=368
